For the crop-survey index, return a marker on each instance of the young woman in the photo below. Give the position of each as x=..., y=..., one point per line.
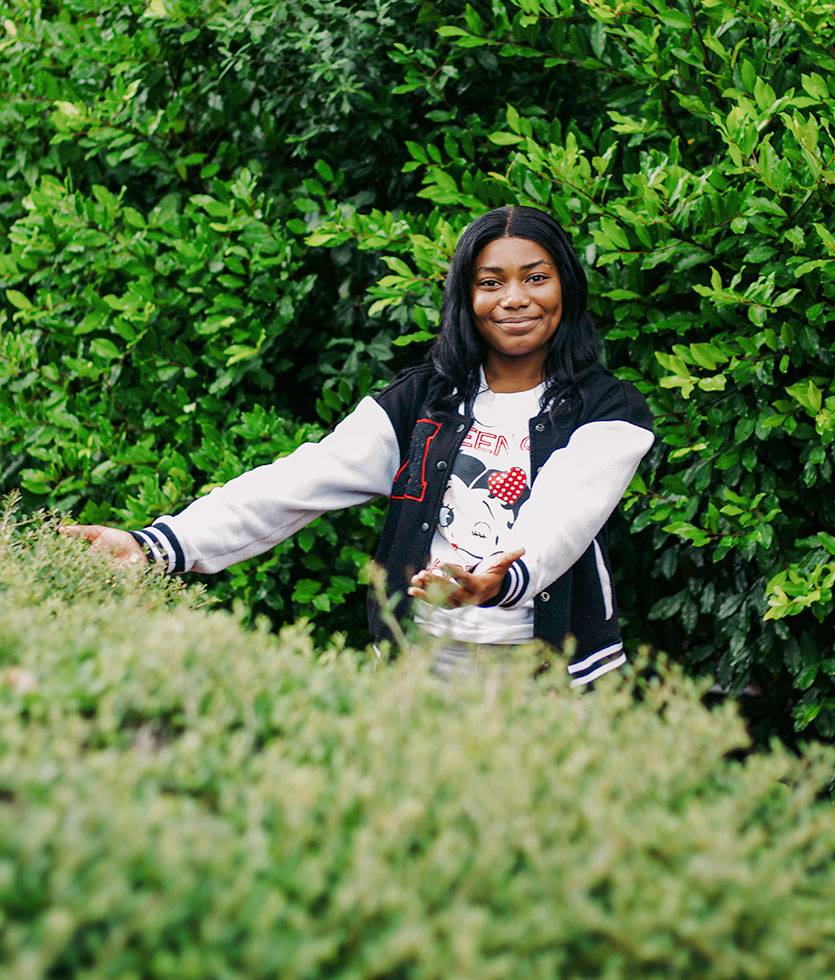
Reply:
x=503, y=456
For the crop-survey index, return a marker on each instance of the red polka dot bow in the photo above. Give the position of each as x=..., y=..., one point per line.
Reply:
x=508, y=486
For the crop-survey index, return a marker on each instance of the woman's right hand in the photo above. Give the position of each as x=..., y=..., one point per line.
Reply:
x=122, y=546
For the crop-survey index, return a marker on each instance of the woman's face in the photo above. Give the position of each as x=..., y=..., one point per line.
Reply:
x=517, y=299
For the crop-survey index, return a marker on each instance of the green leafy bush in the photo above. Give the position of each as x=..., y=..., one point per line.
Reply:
x=180, y=797
x=196, y=198
x=163, y=326
x=690, y=153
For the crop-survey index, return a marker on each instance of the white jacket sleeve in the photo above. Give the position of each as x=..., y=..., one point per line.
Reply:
x=255, y=511
x=571, y=499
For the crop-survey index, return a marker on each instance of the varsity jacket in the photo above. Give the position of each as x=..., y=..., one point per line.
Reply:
x=583, y=456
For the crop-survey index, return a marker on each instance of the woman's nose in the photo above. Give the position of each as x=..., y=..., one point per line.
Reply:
x=515, y=295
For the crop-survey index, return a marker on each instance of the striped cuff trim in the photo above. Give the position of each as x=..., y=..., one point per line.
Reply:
x=152, y=550
x=170, y=539
x=517, y=578
x=161, y=546
x=499, y=596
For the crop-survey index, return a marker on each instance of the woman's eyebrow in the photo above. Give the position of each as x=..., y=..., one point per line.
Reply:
x=524, y=268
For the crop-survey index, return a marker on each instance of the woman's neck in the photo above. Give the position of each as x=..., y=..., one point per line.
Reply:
x=507, y=375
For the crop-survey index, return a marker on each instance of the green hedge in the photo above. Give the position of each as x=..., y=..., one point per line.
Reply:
x=223, y=223
x=180, y=797
x=690, y=152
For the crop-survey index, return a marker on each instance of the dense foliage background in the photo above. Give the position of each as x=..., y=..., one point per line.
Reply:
x=221, y=223
x=181, y=798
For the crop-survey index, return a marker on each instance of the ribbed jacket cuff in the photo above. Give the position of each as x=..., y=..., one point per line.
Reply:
x=513, y=586
x=161, y=546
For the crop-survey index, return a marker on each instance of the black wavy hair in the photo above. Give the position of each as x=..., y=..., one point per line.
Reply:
x=458, y=351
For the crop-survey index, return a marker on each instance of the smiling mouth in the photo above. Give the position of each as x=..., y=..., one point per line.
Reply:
x=517, y=323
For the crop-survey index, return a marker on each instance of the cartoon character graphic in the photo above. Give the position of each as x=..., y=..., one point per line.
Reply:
x=479, y=506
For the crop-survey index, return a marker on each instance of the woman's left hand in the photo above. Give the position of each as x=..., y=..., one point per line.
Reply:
x=458, y=587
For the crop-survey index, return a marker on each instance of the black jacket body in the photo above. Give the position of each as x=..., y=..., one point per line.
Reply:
x=579, y=602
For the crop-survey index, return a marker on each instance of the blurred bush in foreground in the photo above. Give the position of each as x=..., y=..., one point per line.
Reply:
x=180, y=797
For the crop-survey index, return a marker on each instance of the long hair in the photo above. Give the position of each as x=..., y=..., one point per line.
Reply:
x=458, y=351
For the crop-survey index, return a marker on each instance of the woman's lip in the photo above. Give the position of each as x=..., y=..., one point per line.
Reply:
x=524, y=322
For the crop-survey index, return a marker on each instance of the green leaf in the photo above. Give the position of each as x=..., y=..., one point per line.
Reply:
x=323, y=168
x=399, y=266
x=614, y=233
x=815, y=85
x=716, y=382
x=667, y=606
x=505, y=139
x=417, y=151
x=34, y=481
x=70, y=109
x=804, y=715
x=18, y=300
x=808, y=395
x=239, y=352
x=674, y=18
x=764, y=94
x=90, y=322
x=706, y=355
x=683, y=529
x=217, y=209
x=305, y=589
x=104, y=348
x=418, y=337
x=827, y=541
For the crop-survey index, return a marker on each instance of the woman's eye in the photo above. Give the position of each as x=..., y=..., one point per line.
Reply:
x=489, y=283
x=538, y=277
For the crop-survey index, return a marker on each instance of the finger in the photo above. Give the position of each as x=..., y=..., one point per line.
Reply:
x=457, y=573
x=434, y=595
x=437, y=591
x=460, y=598
x=503, y=562
x=449, y=600
x=88, y=532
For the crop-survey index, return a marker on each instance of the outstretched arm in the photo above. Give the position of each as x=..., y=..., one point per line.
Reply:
x=264, y=506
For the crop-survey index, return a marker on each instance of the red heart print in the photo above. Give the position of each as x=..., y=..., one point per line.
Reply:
x=508, y=486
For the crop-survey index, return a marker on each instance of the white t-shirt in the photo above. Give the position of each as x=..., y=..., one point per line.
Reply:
x=488, y=486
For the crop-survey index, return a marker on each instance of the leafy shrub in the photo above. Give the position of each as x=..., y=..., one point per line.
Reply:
x=180, y=797
x=161, y=329
x=690, y=153
x=195, y=197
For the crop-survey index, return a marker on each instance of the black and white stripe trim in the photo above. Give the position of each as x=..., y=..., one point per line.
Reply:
x=513, y=585
x=518, y=577
x=596, y=664
x=161, y=546
x=149, y=546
